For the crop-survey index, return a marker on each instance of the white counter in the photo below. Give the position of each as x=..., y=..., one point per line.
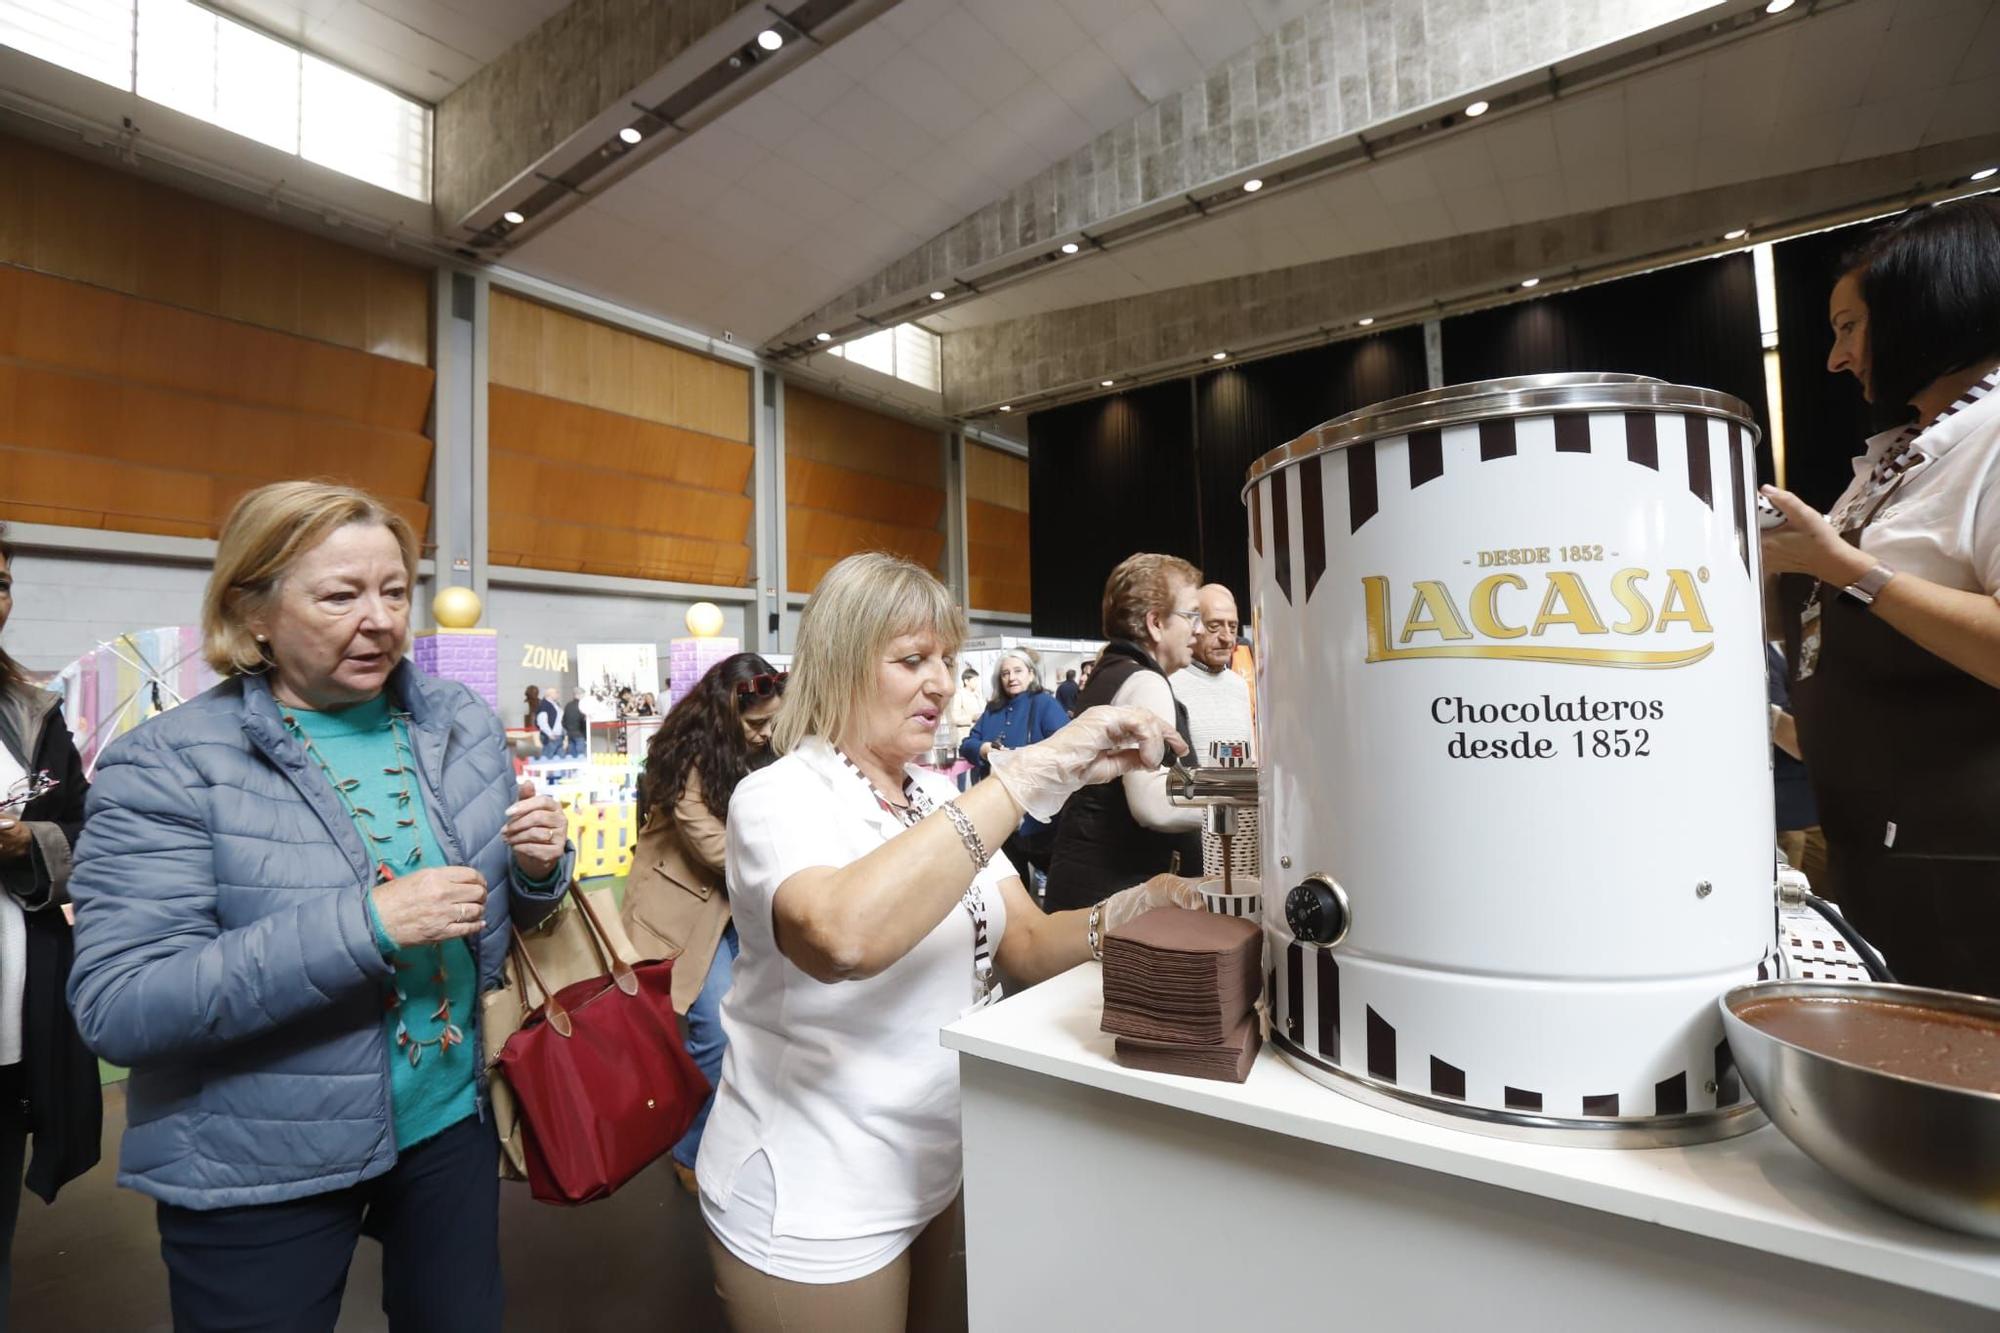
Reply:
x=1098, y=1193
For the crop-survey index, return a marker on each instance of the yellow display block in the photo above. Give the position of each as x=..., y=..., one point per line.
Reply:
x=604, y=833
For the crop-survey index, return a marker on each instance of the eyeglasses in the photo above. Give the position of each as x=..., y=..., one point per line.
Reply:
x=1192, y=617
x=17, y=797
x=761, y=686
x=1222, y=627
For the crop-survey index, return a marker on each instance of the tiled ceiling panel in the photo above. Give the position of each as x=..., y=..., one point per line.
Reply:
x=884, y=140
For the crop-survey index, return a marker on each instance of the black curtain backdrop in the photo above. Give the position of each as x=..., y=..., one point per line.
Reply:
x=1243, y=412
x=1106, y=478
x=1826, y=419
x=1692, y=324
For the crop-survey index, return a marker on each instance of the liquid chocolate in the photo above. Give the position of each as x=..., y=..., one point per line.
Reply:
x=1915, y=1041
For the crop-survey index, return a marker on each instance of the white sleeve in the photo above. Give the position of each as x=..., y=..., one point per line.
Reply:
x=781, y=821
x=1146, y=792
x=1983, y=518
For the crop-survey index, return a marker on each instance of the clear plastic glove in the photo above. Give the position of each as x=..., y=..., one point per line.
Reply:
x=1159, y=891
x=1101, y=744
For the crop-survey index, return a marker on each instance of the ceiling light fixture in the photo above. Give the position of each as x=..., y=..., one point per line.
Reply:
x=513, y=217
x=770, y=39
x=1252, y=185
x=631, y=134
x=1104, y=384
x=1777, y=6
x=1478, y=108
x=937, y=296
x=1220, y=356
x=826, y=337
x=1985, y=173
x=1069, y=247
x=1531, y=282
x=1006, y=407
x=1365, y=321
x=1736, y=235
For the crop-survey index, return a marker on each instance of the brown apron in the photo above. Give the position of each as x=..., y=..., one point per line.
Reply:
x=1903, y=752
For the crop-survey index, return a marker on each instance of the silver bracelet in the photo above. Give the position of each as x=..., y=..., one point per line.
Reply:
x=968, y=835
x=1093, y=931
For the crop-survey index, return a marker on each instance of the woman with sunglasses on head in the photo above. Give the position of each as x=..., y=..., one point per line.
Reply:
x=676, y=904
x=48, y=1081
x=1125, y=832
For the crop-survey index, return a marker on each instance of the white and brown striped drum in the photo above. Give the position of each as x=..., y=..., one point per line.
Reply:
x=1515, y=786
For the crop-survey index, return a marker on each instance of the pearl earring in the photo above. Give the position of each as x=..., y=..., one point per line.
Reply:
x=260, y=638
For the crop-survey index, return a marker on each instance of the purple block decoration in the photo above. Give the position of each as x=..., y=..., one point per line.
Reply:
x=688, y=660
x=468, y=656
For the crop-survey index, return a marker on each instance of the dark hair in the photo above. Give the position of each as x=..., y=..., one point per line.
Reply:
x=704, y=732
x=1931, y=280
x=10, y=670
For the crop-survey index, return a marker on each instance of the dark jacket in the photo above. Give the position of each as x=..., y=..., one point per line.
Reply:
x=1066, y=696
x=1100, y=848
x=1033, y=715
x=224, y=950
x=65, y=1110
x=573, y=721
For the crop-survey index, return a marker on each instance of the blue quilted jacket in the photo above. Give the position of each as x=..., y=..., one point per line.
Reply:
x=223, y=949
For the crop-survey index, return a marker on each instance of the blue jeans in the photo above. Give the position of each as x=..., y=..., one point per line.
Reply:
x=705, y=1040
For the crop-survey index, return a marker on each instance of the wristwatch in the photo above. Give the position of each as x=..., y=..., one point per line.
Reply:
x=1869, y=586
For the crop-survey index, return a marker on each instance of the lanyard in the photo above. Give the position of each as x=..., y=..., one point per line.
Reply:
x=919, y=805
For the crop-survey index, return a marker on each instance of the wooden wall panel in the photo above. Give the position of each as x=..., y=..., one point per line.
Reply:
x=996, y=530
x=75, y=219
x=563, y=356
x=827, y=430
x=575, y=487
x=857, y=480
x=122, y=413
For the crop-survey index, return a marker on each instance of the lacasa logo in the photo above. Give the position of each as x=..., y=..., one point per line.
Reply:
x=1493, y=618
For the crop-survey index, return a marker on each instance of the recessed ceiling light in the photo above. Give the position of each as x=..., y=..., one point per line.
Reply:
x=1985, y=173
x=513, y=216
x=630, y=135
x=1104, y=384
x=1531, y=282
x=1736, y=234
x=1069, y=247
x=1478, y=108
x=826, y=337
x=1365, y=321
x=937, y=296
x=1252, y=185
x=1006, y=407
x=1777, y=6
x=770, y=39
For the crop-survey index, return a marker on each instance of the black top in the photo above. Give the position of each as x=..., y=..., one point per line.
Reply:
x=1100, y=847
x=1788, y=775
x=573, y=721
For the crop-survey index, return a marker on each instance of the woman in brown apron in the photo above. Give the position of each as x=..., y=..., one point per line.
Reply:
x=1892, y=625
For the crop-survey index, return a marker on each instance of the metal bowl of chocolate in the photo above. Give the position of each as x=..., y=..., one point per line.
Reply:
x=1895, y=1089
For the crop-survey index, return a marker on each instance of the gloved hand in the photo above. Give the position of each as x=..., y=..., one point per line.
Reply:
x=1100, y=744
x=1159, y=891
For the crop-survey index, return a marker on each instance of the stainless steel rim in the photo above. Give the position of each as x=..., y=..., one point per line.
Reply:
x=1955, y=1002
x=1489, y=400
x=1665, y=1131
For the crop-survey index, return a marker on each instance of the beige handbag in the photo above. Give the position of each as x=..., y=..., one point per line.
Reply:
x=561, y=950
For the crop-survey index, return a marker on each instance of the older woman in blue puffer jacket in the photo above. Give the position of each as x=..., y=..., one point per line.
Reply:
x=290, y=893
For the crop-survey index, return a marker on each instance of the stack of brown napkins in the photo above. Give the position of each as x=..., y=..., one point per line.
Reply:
x=1180, y=992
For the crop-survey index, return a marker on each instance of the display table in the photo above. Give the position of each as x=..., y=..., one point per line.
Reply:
x=1108, y=1198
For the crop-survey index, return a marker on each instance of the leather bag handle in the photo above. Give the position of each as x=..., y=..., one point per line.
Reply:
x=552, y=1008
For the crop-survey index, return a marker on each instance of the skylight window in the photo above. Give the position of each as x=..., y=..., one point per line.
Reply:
x=201, y=64
x=907, y=351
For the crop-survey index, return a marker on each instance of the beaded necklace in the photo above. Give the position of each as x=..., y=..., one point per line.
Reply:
x=407, y=813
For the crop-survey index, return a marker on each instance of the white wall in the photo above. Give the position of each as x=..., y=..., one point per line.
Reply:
x=65, y=605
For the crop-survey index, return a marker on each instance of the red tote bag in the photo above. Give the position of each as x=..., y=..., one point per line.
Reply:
x=604, y=1085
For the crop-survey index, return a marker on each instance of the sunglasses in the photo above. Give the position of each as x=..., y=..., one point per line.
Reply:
x=761, y=687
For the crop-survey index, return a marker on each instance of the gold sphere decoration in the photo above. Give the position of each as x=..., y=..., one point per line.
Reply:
x=456, y=608
x=704, y=620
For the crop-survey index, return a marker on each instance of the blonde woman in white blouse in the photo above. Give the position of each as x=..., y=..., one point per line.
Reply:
x=872, y=911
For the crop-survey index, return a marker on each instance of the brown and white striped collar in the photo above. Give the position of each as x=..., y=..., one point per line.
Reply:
x=1917, y=443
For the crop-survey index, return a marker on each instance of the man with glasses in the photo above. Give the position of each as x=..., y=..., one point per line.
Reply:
x=1217, y=698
